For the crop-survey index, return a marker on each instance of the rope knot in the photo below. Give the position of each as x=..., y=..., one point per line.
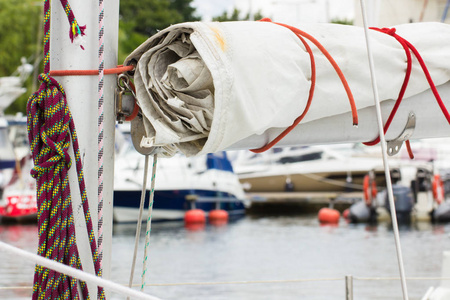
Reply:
x=390, y=31
x=265, y=20
x=49, y=127
x=59, y=159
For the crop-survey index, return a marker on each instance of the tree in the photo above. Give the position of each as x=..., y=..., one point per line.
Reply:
x=148, y=16
x=19, y=27
x=184, y=8
x=19, y=24
x=140, y=19
x=236, y=16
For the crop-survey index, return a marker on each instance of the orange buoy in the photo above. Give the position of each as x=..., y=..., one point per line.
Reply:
x=369, y=189
x=346, y=213
x=218, y=217
x=438, y=189
x=329, y=215
x=194, y=216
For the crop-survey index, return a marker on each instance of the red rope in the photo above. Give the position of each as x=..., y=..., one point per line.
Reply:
x=408, y=47
x=135, y=111
x=308, y=104
x=119, y=69
x=300, y=34
x=335, y=66
x=404, y=85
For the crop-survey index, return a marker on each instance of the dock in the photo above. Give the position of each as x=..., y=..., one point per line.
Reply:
x=294, y=203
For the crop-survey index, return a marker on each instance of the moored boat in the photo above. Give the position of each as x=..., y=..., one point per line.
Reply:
x=304, y=169
x=17, y=187
x=18, y=206
x=206, y=182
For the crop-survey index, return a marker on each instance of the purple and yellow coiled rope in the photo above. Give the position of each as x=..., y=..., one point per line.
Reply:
x=50, y=131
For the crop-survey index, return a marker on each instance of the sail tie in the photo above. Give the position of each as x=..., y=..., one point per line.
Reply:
x=301, y=35
x=408, y=47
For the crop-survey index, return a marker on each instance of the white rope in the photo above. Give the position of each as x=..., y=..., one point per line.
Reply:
x=149, y=222
x=384, y=153
x=263, y=281
x=139, y=220
x=101, y=66
x=84, y=276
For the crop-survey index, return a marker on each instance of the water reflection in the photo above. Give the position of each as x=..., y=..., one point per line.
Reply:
x=17, y=272
x=19, y=234
x=261, y=248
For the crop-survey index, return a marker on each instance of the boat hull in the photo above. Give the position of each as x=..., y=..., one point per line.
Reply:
x=171, y=204
x=442, y=212
x=313, y=182
x=20, y=207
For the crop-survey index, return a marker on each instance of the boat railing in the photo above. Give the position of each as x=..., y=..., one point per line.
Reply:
x=123, y=290
x=75, y=273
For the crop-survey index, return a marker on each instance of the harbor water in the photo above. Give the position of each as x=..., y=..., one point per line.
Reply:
x=289, y=257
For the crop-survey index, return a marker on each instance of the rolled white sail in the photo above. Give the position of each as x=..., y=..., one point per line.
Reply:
x=204, y=87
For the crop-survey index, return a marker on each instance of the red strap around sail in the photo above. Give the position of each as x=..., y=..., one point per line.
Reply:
x=301, y=35
x=408, y=47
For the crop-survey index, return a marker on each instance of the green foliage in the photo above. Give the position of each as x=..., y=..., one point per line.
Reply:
x=19, y=23
x=128, y=40
x=19, y=26
x=236, y=16
x=140, y=19
x=147, y=16
x=184, y=8
x=342, y=21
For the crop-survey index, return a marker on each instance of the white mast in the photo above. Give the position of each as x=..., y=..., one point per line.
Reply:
x=82, y=97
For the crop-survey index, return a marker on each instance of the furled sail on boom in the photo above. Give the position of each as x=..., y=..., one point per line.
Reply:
x=204, y=87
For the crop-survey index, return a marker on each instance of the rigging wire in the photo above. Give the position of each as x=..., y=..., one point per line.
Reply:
x=424, y=8
x=139, y=221
x=444, y=15
x=149, y=222
x=384, y=153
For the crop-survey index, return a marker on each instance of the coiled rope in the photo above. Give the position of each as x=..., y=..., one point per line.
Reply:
x=50, y=131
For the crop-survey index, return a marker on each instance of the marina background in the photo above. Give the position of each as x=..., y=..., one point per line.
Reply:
x=261, y=257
